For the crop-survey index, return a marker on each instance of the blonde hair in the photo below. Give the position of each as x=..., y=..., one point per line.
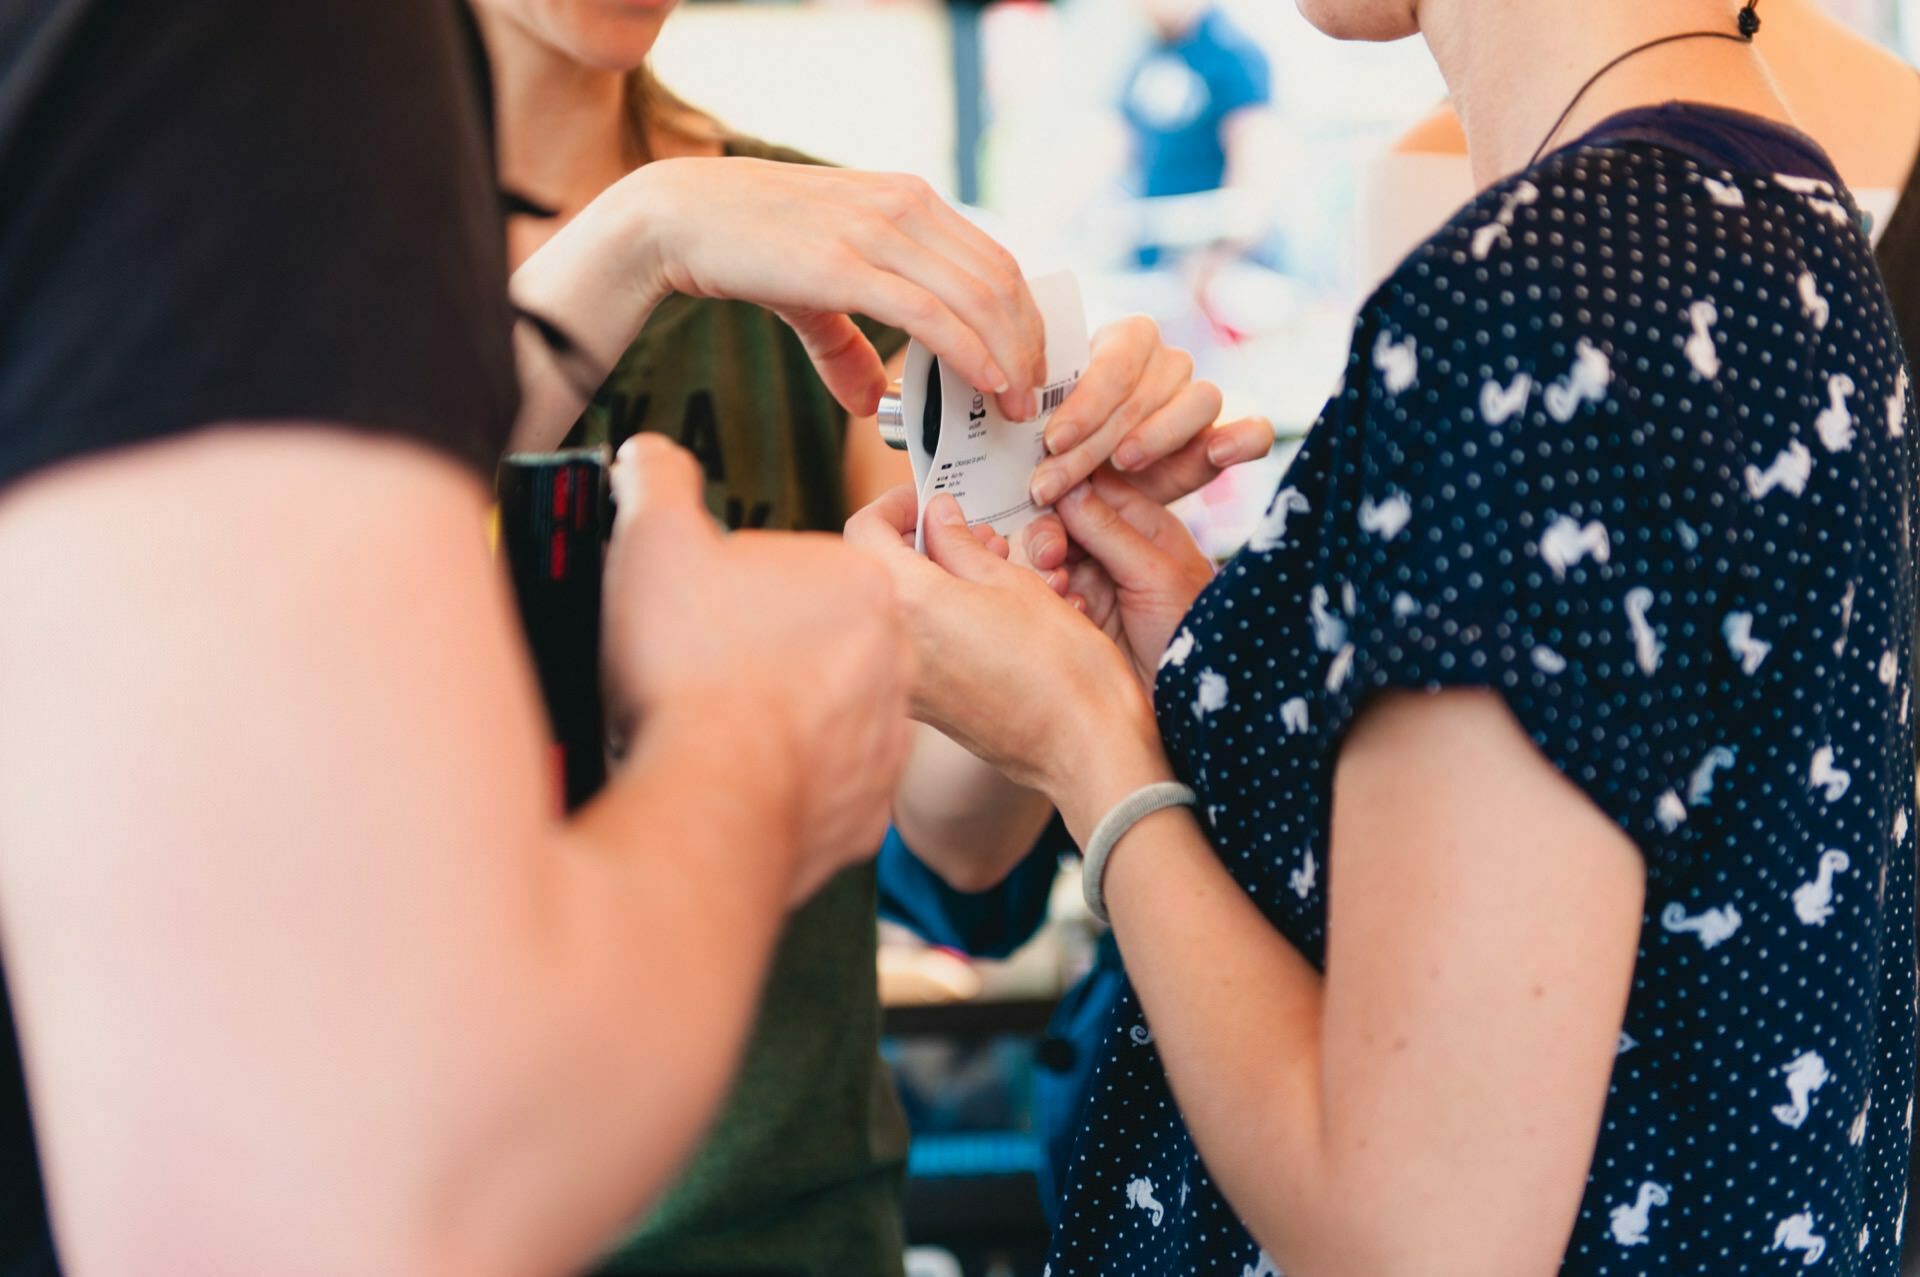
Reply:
x=654, y=108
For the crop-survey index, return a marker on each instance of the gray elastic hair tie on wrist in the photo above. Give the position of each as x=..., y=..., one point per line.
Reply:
x=1113, y=826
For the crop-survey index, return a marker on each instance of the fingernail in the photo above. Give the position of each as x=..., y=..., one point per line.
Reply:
x=1079, y=493
x=1029, y=406
x=1062, y=435
x=1220, y=451
x=1127, y=456
x=946, y=512
x=1047, y=486
x=1040, y=548
x=999, y=379
x=1057, y=579
x=1079, y=604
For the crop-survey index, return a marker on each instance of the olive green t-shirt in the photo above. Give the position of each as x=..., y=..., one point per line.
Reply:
x=802, y=1172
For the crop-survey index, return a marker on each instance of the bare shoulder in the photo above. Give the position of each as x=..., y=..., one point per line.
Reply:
x=1436, y=133
x=1836, y=80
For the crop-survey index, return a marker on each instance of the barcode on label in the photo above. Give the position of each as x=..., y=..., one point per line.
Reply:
x=1053, y=396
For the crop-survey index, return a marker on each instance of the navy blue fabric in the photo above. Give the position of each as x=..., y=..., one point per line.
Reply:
x=1180, y=95
x=1718, y=136
x=1628, y=441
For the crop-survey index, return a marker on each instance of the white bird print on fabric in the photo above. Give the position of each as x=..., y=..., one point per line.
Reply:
x=1399, y=362
x=1737, y=629
x=1565, y=543
x=1404, y=606
x=1339, y=668
x=1140, y=1196
x=1301, y=880
x=1897, y=406
x=1548, y=661
x=1806, y=1073
x=1263, y=1267
x=1819, y=194
x=1846, y=618
x=1900, y=1219
x=1271, y=531
x=1900, y=828
x=1585, y=382
x=1835, y=422
x=1795, y=1232
x=1179, y=650
x=1689, y=539
x=1857, y=1130
x=1889, y=669
x=1811, y=301
x=1646, y=645
x=1293, y=716
x=1212, y=694
x=1329, y=631
x=1700, y=351
x=1813, y=901
x=1790, y=470
x=1863, y=1237
x=1628, y=1224
x=1723, y=193
x=1713, y=926
x=1670, y=811
x=1823, y=775
x=1387, y=519
x=1700, y=784
x=1499, y=403
x=1495, y=232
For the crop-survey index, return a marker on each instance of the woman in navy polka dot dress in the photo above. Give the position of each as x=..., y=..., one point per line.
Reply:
x=1548, y=897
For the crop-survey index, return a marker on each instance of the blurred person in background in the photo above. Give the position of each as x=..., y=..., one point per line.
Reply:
x=1194, y=105
x=1512, y=848
x=1859, y=100
x=802, y=1172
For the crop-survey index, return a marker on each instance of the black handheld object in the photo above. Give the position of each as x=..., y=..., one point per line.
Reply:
x=555, y=516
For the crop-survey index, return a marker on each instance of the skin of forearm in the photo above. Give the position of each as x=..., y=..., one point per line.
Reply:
x=1236, y=1017
x=656, y=930
x=963, y=818
x=595, y=282
x=1235, y=1012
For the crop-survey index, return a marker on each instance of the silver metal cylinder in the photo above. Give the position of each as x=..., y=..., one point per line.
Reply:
x=892, y=418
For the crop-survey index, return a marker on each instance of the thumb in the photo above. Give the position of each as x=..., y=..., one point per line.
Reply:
x=844, y=358
x=1129, y=555
x=658, y=484
x=952, y=545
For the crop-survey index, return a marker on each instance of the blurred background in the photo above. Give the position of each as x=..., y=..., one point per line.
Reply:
x=1204, y=162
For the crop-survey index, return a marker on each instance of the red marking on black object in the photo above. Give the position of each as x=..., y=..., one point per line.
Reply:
x=557, y=565
x=560, y=478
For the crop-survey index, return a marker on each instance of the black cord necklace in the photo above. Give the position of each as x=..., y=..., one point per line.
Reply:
x=1749, y=24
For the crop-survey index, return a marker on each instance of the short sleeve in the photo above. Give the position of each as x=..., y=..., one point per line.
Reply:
x=230, y=211
x=1241, y=77
x=1519, y=523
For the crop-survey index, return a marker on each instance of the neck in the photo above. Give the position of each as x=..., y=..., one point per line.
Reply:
x=1512, y=66
x=562, y=126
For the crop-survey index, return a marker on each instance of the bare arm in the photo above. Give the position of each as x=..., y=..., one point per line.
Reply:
x=309, y=978
x=1431, y=1105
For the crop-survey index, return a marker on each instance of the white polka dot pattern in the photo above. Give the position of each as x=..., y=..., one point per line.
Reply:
x=1626, y=442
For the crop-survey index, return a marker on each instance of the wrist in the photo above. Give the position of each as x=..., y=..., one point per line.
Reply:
x=642, y=208
x=1124, y=757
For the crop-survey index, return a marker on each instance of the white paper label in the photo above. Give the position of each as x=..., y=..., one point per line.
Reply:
x=983, y=460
